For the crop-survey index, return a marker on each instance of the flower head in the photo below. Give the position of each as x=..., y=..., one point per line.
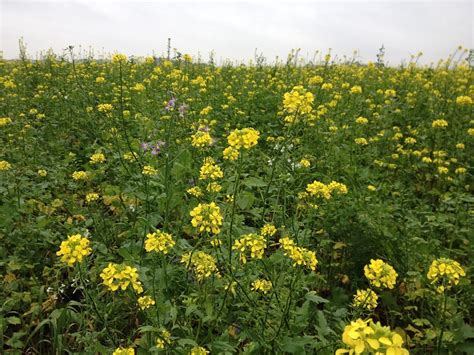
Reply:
x=74, y=249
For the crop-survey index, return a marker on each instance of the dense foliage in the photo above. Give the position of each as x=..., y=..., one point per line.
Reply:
x=156, y=205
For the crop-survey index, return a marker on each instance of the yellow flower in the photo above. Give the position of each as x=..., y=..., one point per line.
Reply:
x=138, y=87
x=305, y=163
x=124, y=351
x=74, y=249
x=198, y=350
x=145, y=302
x=213, y=187
x=463, y=100
x=4, y=121
x=149, y=170
x=365, y=299
x=445, y=273
x=361, y=141
x=319, y=189
x=159, y=242
x=97, y=158
x=356, y=89
x=439, y=124
x=380, y=274
x=207, y=217
x=119, y=58
x=80, y=175
x=91, y=197
x=120, y=276
x=203, y=264
x=460, y=170
x=371, y=188
x=253, y=243
x=268, y=230
x=298, y=101
x=443, y=170
x=230, y=153
x=4, y=165
x=104, y=108
x=460, y=146
x=361, y=120
x=299, y=255
x=42, y=172
x=164, y=339
x=201, y=139
x=262, y=285
x=243, y=138
x=210, y=170
x=194, y=191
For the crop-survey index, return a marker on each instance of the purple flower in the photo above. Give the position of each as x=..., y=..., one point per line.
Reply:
x=182, y=110
x=145, y=146
x=170, y=104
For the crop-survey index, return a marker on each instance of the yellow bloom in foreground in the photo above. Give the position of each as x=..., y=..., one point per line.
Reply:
x=119, y=58
x=268, y=230
x=261, y=285
x=210, y=170
x=80, y=175
x=145, y=302
x=463, y=100
x=365, y=299
x=42, y=172
x=299, y=255
x=74, y=249
x=164, y=339
x=298, y=100
x=439, y=124
x=207, y=217
x=243, y=138
x=104, y=108
x=4, y=165
x=91, y=197
x=124, y=351
x=445, y=273
x=361, y=120
x=203, y=264
x=198, y=350
x=380, y=274
x=149, y=170
x=201, y=139
x=253, y=244
x=4, y=121
x=120, y=276
x=97, y=158
x=361, y=141
x=365, y=336
x=230, y=153
x=159, y=242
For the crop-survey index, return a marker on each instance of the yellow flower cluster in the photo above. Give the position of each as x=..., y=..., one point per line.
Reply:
x=4, y=121
x=268, y=230
x=145, y=302
x=361, y=141
x=299, y=255
x=164, y=339
x=463, y=100
x=210, y=170
x=149, y=170
x=319, y=189
x=365, y=299
x=203, y=264
x=97, y=158
x=74, y=249
x=194, y=191
x=380, y=274
x=104, y=108
x=4, y=165
x=198, y=350
x=367, y=337
x=298, y=101
x=159, y=241
x=445, y=273
x=42, y=172
x=119, y=58
x=80, y=175
x=117, y=276
x=261, y=285
x=439, y=123
x=201, y=139
x=230, y=153
x=243, y=138
x=253, y=243
x=124, y=351
x=304, y=163
x=91, y=197
x=207, y=217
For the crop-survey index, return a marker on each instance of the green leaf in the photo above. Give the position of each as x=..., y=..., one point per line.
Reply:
x=254, y=182
x=313, y=297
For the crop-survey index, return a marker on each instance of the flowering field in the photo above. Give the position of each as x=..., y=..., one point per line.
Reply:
x=181, y=207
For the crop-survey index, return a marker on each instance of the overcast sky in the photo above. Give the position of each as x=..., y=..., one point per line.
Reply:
x=233, y=29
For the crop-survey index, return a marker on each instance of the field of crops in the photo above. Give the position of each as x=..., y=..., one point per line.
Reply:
x=152, y=205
